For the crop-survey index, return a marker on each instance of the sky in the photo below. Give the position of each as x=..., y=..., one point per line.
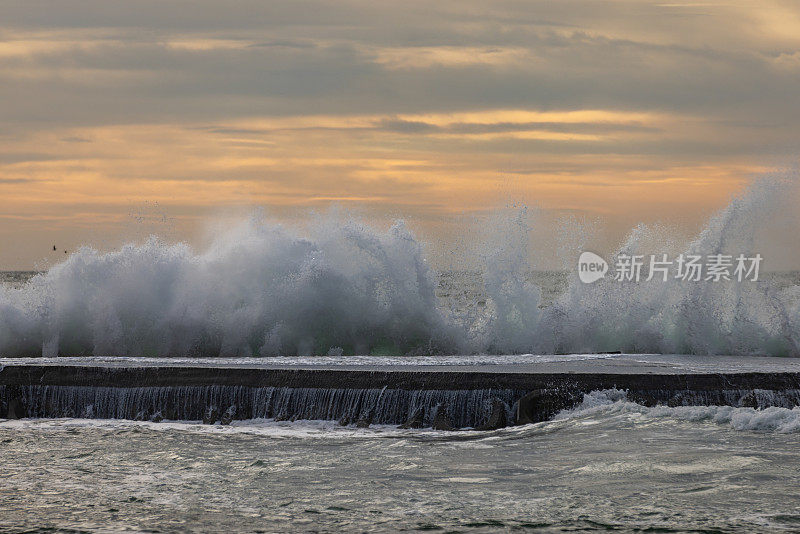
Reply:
x=119, y=117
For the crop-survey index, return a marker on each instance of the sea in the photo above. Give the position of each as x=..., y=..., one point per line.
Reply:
x=342, y=290
x=607, y=465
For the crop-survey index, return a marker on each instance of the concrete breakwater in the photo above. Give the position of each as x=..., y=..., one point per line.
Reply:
x=457, y=398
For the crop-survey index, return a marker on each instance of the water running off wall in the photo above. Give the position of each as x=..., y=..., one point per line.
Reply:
x=343, y=287
x=414, y=398
x=442, y=409
x=464, y=408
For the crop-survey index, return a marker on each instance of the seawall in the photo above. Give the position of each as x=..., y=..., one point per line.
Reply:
x=455, y=396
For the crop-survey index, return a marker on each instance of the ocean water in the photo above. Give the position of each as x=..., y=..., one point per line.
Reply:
x=348, y=294
x=607, y=465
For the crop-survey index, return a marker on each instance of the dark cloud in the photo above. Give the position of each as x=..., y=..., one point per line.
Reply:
x=284, y=43
x=9, y=158
x=403, y=126
x=333, y=65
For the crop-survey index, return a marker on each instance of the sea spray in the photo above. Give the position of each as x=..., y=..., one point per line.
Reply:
x=343, y=287
x=258, y=290
x=679, y=316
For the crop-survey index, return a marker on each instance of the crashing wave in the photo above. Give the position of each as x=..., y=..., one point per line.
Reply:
x=345, y=288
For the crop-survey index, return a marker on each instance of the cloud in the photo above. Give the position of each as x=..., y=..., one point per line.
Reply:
x=450, y=56
x=421, y=106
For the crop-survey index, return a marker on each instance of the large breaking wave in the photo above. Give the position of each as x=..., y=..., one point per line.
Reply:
x=343, y=287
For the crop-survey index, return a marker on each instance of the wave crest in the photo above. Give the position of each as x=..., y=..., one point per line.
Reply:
x=346, y=288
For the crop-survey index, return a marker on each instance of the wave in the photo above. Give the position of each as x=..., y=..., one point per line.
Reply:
x=606, y=403
x=707, y=317
x=343, y=288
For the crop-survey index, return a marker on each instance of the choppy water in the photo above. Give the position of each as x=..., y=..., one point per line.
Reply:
x=608, y=465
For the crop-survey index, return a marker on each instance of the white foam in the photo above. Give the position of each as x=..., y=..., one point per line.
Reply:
x=344, y=288
x=605, y=403
x=305, y=429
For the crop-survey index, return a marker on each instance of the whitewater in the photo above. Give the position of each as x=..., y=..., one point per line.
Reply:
x=342, y=287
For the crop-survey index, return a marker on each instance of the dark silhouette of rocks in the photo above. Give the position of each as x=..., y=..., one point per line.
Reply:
x=441, y=421
x=497, y=417
x=417, y=420
x=365, y=420
x=16, y=410
x=541, y=405
x=211, y=415
x=228, y=416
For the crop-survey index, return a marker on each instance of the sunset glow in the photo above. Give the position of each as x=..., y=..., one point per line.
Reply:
x=658, y=114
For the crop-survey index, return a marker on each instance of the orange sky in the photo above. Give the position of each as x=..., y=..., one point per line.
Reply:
x=114, y=121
